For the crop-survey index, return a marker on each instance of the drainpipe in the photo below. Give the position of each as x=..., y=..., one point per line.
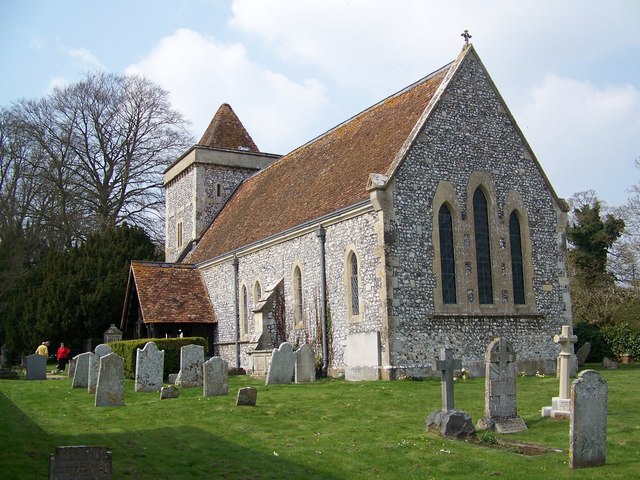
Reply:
x=236, y=298
x=321, y=234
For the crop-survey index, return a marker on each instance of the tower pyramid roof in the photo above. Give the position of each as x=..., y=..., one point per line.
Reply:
x=226, y=131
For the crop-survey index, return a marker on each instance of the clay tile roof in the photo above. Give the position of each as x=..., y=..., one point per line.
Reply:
x=323, y=176
x=171, y=293
x=226, y=131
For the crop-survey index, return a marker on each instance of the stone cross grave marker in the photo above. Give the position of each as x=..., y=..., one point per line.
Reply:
x=94, y=364
x=81, y=372
x=149, y=368
x=191, y=361
x=305, y=364
x=500, y=412
x=447, y=364
x=283, y=364
x=588, y=420
x=80, y=462
x=215, y=377
x=110, y=384
x=36, y=367
x=560, y=405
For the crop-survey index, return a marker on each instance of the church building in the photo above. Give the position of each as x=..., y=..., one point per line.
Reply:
x=423, y=222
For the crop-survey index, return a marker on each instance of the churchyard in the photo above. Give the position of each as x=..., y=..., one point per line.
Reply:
x=329, y=429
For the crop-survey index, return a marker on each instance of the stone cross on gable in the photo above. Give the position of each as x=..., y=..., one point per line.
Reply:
x=466, y=36
x=447, y=364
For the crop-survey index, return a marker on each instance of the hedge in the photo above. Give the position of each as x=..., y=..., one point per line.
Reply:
x=611, y=341
x=127, y=349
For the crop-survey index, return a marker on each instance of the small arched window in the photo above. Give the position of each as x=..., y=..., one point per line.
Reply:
x=483, y=247
x=244, y=311
x=517, y=270
x=297, y=296
x=257, y=292
x=354, y=285
x=447, y=258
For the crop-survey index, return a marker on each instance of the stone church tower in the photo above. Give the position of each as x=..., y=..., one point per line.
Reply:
x=199, y=183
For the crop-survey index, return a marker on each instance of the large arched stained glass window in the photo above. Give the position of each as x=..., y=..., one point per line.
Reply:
x=447, y=258
x=517, y=270
x=483, y=247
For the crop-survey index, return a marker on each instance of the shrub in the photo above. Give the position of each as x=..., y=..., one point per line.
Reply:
x=127, y=349
x=588, y=332
x=622, y=340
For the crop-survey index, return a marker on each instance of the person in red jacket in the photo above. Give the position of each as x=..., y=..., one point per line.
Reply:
x=63, y=357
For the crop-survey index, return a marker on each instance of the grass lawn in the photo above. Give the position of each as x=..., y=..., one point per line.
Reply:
x=331, y=429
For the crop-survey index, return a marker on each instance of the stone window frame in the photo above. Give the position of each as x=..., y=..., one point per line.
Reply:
x=514, y=204
x=297, y=287
x=446, y=195
x=244, y=311
x=482, y=229
x=219, y=191
x=179, y=234
x=351, y=252
x=257, y=291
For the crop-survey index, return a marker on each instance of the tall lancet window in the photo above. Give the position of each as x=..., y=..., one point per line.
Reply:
x=297, y=296
x=483, y=247
x=354, y=285
x=517, y=270
x=447, y=258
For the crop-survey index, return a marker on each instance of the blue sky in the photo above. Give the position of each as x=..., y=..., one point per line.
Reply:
x=291, y=69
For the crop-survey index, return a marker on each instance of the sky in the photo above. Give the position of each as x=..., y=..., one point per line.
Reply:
x=568, y=70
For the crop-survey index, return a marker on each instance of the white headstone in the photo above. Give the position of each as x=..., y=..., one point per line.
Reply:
x=94, y=364
x=560, y=405
x=283, y=364
x=110, y=384
x=305, y=364
x=149, y=368
x=362, y=356
x=500, y=412
x=36, y=367
x=81, y=373
x=588, y=420
x=215, y=377
x=191, y=361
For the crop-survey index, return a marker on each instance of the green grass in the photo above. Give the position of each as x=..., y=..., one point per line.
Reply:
x=331, y=429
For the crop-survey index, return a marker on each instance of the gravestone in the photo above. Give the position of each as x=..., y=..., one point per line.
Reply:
x=500, y=412
x=72, y=367
x=283, y=364
x=191, y=361
x=583, y=353
x=305, y=364
x=172, y=378
x=448, y=421
x=110, y=384
x=169, y=392
x=112, y=334
x=247, y=396
x=81, y=372
x=561, y=404
x=149, y=368
x=80, y=462
x=362, y=356
x=215, y=377
x=588, y=421
x=36, y=367
x=94, y=364
x=609, y=363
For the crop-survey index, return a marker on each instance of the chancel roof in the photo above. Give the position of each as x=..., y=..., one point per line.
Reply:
x=170, y=293
x=226, y=131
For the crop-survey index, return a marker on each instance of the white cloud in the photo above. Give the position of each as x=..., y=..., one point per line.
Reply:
x=57, y=82
x=201, y=73
x=87, y=59
x=585, y=136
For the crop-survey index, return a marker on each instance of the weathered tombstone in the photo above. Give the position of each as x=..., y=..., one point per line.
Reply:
x=169, y=392
x=305, y=364
x=36, y=367
x=112, y=334
x=362, y=356
x=149, y=368
x=247, y=396
x=500, y=412
x=609, y=363
x=283, y=364
x=72, y=367
x=588, y=421
x=215, y=377
x=81, y=372
x=110, y=384
x=172, y=378
x=94, y=364
x=561, y=404
x=583, y=353
x=448, y=421
x=191, y=360
x=81, y=462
